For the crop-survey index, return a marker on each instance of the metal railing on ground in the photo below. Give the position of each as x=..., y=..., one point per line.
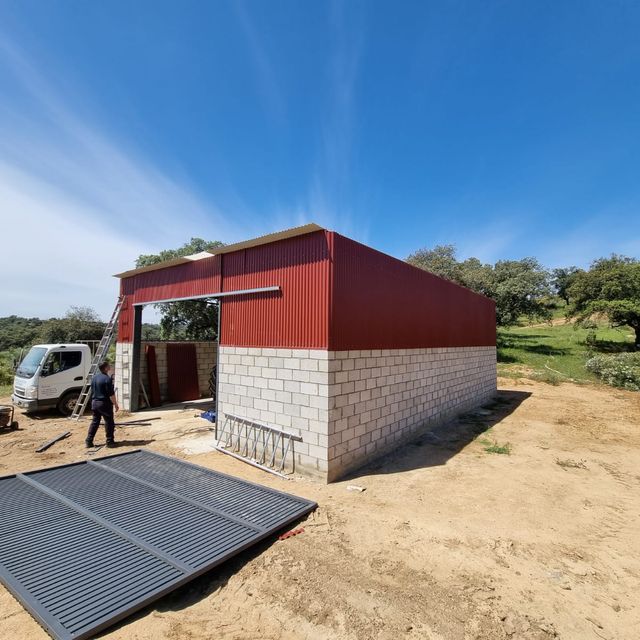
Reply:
x=260, y=445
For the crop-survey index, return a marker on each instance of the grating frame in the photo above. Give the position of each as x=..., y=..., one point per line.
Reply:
x=86, y=544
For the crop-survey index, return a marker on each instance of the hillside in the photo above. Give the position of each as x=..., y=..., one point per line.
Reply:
x=558, y=350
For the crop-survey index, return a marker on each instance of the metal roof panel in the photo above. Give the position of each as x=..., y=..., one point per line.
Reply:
x=229, y=248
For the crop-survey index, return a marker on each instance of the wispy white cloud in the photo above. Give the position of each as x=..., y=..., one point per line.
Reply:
x=267, y=78
x=332, y=195
x=516, y=232
x=614, y=230
x=55, y=255
x=490, y=242
x=76, y=203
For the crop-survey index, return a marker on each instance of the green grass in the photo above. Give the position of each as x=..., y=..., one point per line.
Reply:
x=491, y=446
x=6, y=390
x=556, y=353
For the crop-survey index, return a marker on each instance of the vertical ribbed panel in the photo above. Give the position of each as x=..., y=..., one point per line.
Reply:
x=380, y=302
x=298, y=315
x=377, y=301
x=84, y=545
x=196, y=278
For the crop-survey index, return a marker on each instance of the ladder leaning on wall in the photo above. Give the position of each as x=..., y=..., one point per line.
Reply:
x=98, y=357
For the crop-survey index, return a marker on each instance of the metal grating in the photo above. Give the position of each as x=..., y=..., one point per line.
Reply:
x=85, y=545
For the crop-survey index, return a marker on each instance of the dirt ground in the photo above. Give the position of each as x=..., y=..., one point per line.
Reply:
x=447, y=542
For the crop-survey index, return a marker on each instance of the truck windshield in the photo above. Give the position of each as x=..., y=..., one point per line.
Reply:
x=31, y=362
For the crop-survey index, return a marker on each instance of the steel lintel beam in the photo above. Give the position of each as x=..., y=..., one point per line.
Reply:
x=219, y=294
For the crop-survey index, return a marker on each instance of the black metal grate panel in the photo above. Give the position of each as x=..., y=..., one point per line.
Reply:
x=258, y=505
x=85, y=545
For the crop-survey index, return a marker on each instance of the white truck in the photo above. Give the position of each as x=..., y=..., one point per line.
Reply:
x=51, y=375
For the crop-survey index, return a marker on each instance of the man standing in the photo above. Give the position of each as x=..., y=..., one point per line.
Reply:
x=103, y=400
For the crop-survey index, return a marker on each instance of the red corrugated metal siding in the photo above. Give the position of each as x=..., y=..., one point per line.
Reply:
x=379, y=302
x=295, y=317
x=357, y=299
x=196, y=278
x=125, y=322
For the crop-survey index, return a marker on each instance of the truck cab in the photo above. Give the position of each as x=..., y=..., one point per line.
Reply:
x=51, y=376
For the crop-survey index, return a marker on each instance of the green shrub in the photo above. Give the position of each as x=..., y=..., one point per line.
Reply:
x=619, y=369
x=550, y=377
x=491, y=446
x=6, y=372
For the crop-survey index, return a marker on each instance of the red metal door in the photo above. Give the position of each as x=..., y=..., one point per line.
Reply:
x=182, y=372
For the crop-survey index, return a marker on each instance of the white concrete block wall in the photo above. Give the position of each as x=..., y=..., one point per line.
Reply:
x=205, y=354
x=349, y=407
x=352, y=406
x=380, y=398
x=206, y=358
x=122, y=370
x=285, y=388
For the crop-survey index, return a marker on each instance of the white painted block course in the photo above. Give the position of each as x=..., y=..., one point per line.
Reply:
x=288, y=398
x=351, y=406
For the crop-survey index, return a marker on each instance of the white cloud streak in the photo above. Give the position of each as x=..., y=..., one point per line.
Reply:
x=614, y=230
x=76, y=205
x=331, y=193
x=267, y=79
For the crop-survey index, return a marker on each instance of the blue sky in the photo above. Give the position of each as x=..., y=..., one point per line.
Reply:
x=506, y=128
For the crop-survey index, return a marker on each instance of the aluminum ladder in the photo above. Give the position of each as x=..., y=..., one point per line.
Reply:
x=101, y=351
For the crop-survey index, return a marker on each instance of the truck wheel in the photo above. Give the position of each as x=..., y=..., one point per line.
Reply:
x=67, y=403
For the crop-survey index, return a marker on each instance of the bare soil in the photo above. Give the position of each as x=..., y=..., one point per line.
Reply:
x=447, y=542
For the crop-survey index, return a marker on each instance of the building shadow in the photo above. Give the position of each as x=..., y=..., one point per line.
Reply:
x=132, y=443
x=438, y=445
x=43, y=414
x=200, y=405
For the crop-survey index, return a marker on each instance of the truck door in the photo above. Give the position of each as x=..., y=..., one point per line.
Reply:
x=61, y=371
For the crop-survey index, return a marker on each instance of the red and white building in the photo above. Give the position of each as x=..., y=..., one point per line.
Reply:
x=323, y=337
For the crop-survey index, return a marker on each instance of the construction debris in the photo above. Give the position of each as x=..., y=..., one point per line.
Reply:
x=6, y=417
x=290, y=534
x=139, y=422
x=355, y=487
x=92, y=452
x=48, y=443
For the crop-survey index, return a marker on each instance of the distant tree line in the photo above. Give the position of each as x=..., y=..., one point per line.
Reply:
x=78, y=324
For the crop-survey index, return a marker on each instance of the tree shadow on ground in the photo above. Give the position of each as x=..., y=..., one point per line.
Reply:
x=437, y=446
x=507, y=358
x=523, y=343
x=510, y=339
x=611, y=346
x=546, y=350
